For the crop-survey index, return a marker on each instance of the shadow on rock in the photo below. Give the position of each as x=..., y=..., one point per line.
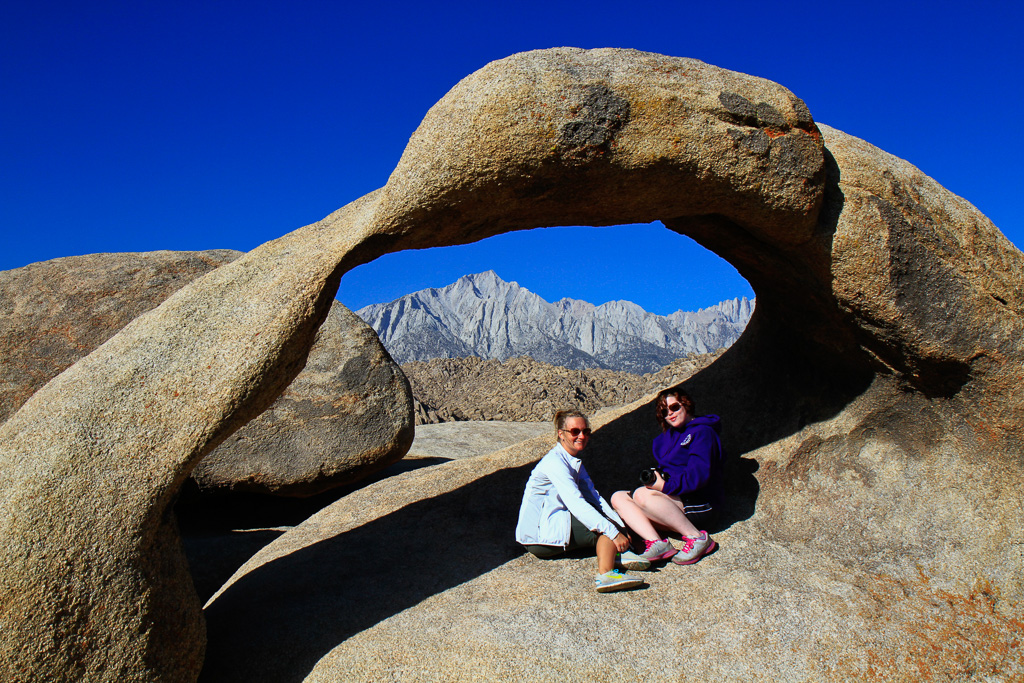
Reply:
x=221, y=531
x=276, y=622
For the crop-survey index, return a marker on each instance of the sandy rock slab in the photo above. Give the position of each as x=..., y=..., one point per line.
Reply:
x=456, y=440
x=784, y=598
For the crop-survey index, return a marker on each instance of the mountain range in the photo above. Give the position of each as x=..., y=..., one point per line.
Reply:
x=482, y=315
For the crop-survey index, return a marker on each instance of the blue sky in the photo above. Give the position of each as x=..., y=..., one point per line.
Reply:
x=137, y=125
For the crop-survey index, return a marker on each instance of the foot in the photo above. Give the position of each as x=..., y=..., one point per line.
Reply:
x=658, y=550
x=615, y=580
x=694, y=549
x=630, y=560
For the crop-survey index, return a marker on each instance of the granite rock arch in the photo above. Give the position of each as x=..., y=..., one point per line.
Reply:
x=869, y=276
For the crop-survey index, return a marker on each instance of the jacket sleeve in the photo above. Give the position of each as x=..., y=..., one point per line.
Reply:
x=563, y=481
x=690, y=470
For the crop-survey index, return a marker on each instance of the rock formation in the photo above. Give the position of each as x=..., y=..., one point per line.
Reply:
x=524, y=389
x=875, y=389
x=348, y=414
x=482, y=315
x=58, y=311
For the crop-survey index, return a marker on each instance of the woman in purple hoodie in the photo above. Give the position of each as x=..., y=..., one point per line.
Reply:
x=686, y=488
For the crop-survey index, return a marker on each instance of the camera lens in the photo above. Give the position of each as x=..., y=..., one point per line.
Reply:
x=647, y=476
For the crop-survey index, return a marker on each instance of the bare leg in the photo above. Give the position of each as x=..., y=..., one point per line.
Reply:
x=605, y=554
x=633, y=516
x=664, y=511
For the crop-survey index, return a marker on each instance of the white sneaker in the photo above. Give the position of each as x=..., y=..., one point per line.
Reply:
x=615, y=580
x=630, y=560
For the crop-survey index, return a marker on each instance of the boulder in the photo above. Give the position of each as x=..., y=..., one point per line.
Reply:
x=455, y=440
x=345, y=416
x=873, y=392
x=56, y=312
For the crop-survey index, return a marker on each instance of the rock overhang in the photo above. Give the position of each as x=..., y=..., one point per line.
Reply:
x=605, y=137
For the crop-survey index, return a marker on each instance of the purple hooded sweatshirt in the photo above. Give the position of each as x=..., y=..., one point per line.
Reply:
x=691, y=461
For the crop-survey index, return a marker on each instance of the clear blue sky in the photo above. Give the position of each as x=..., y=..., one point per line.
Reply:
x=136, y=125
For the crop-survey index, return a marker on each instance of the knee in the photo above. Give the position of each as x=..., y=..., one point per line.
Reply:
x=642, y=496
x=620, y=499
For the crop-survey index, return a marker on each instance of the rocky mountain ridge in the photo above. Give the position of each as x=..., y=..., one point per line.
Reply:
x=526, y=390
x=482, y=315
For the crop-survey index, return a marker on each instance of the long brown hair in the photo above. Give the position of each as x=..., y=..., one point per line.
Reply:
x=661, y=405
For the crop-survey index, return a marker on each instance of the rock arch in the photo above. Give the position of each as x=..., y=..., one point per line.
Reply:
x=869, y=277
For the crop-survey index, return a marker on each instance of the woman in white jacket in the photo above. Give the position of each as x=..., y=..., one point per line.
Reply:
x=562, y=510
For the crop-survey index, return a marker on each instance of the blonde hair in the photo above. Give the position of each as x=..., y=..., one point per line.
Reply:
x=562, y=415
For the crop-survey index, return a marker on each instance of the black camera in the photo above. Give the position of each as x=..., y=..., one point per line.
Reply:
x=650, y=475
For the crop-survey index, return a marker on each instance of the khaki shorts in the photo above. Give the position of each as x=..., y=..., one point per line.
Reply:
x=579, y=537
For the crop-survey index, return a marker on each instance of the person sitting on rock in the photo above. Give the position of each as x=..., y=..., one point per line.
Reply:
x=562, y=510
x=684, y=489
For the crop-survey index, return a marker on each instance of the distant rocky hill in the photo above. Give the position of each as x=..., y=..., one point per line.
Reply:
x=482, y=315
x=525, y=390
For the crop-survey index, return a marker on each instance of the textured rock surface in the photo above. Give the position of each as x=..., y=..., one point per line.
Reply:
x=874, y=388
x=55, y=312
x=523, y=389
x=458, y=440
x=482, y=315
x=822, y=604
x=93, y=581
x=346, y=414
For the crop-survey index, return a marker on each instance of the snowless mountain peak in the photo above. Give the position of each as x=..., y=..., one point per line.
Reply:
x=483, y=315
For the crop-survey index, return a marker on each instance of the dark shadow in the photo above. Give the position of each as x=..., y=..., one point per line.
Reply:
x=275, y=623
x=203, y=513
x=213, y=558
x=221, y=531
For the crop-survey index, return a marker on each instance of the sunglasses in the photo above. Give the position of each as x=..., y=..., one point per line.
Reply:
x=576, y=431
x=673, y=408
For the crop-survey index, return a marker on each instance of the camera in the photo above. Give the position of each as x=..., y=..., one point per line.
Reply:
x=649, y=476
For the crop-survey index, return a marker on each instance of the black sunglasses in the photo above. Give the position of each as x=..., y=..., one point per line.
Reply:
x=673, y=408
x=576, y=431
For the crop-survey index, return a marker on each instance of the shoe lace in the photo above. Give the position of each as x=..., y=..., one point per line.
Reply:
x=648, y=544
x=688, y=544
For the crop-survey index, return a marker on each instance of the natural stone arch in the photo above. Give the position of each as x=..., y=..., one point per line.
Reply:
x=92, y=581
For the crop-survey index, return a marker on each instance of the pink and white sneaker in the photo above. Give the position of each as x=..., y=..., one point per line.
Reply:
x=694, y=549
x=657, y=550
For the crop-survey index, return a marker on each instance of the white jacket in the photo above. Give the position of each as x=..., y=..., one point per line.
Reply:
x=559, y=486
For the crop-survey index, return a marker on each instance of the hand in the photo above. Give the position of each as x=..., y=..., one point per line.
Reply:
x=621, y=542
x=658, y=484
